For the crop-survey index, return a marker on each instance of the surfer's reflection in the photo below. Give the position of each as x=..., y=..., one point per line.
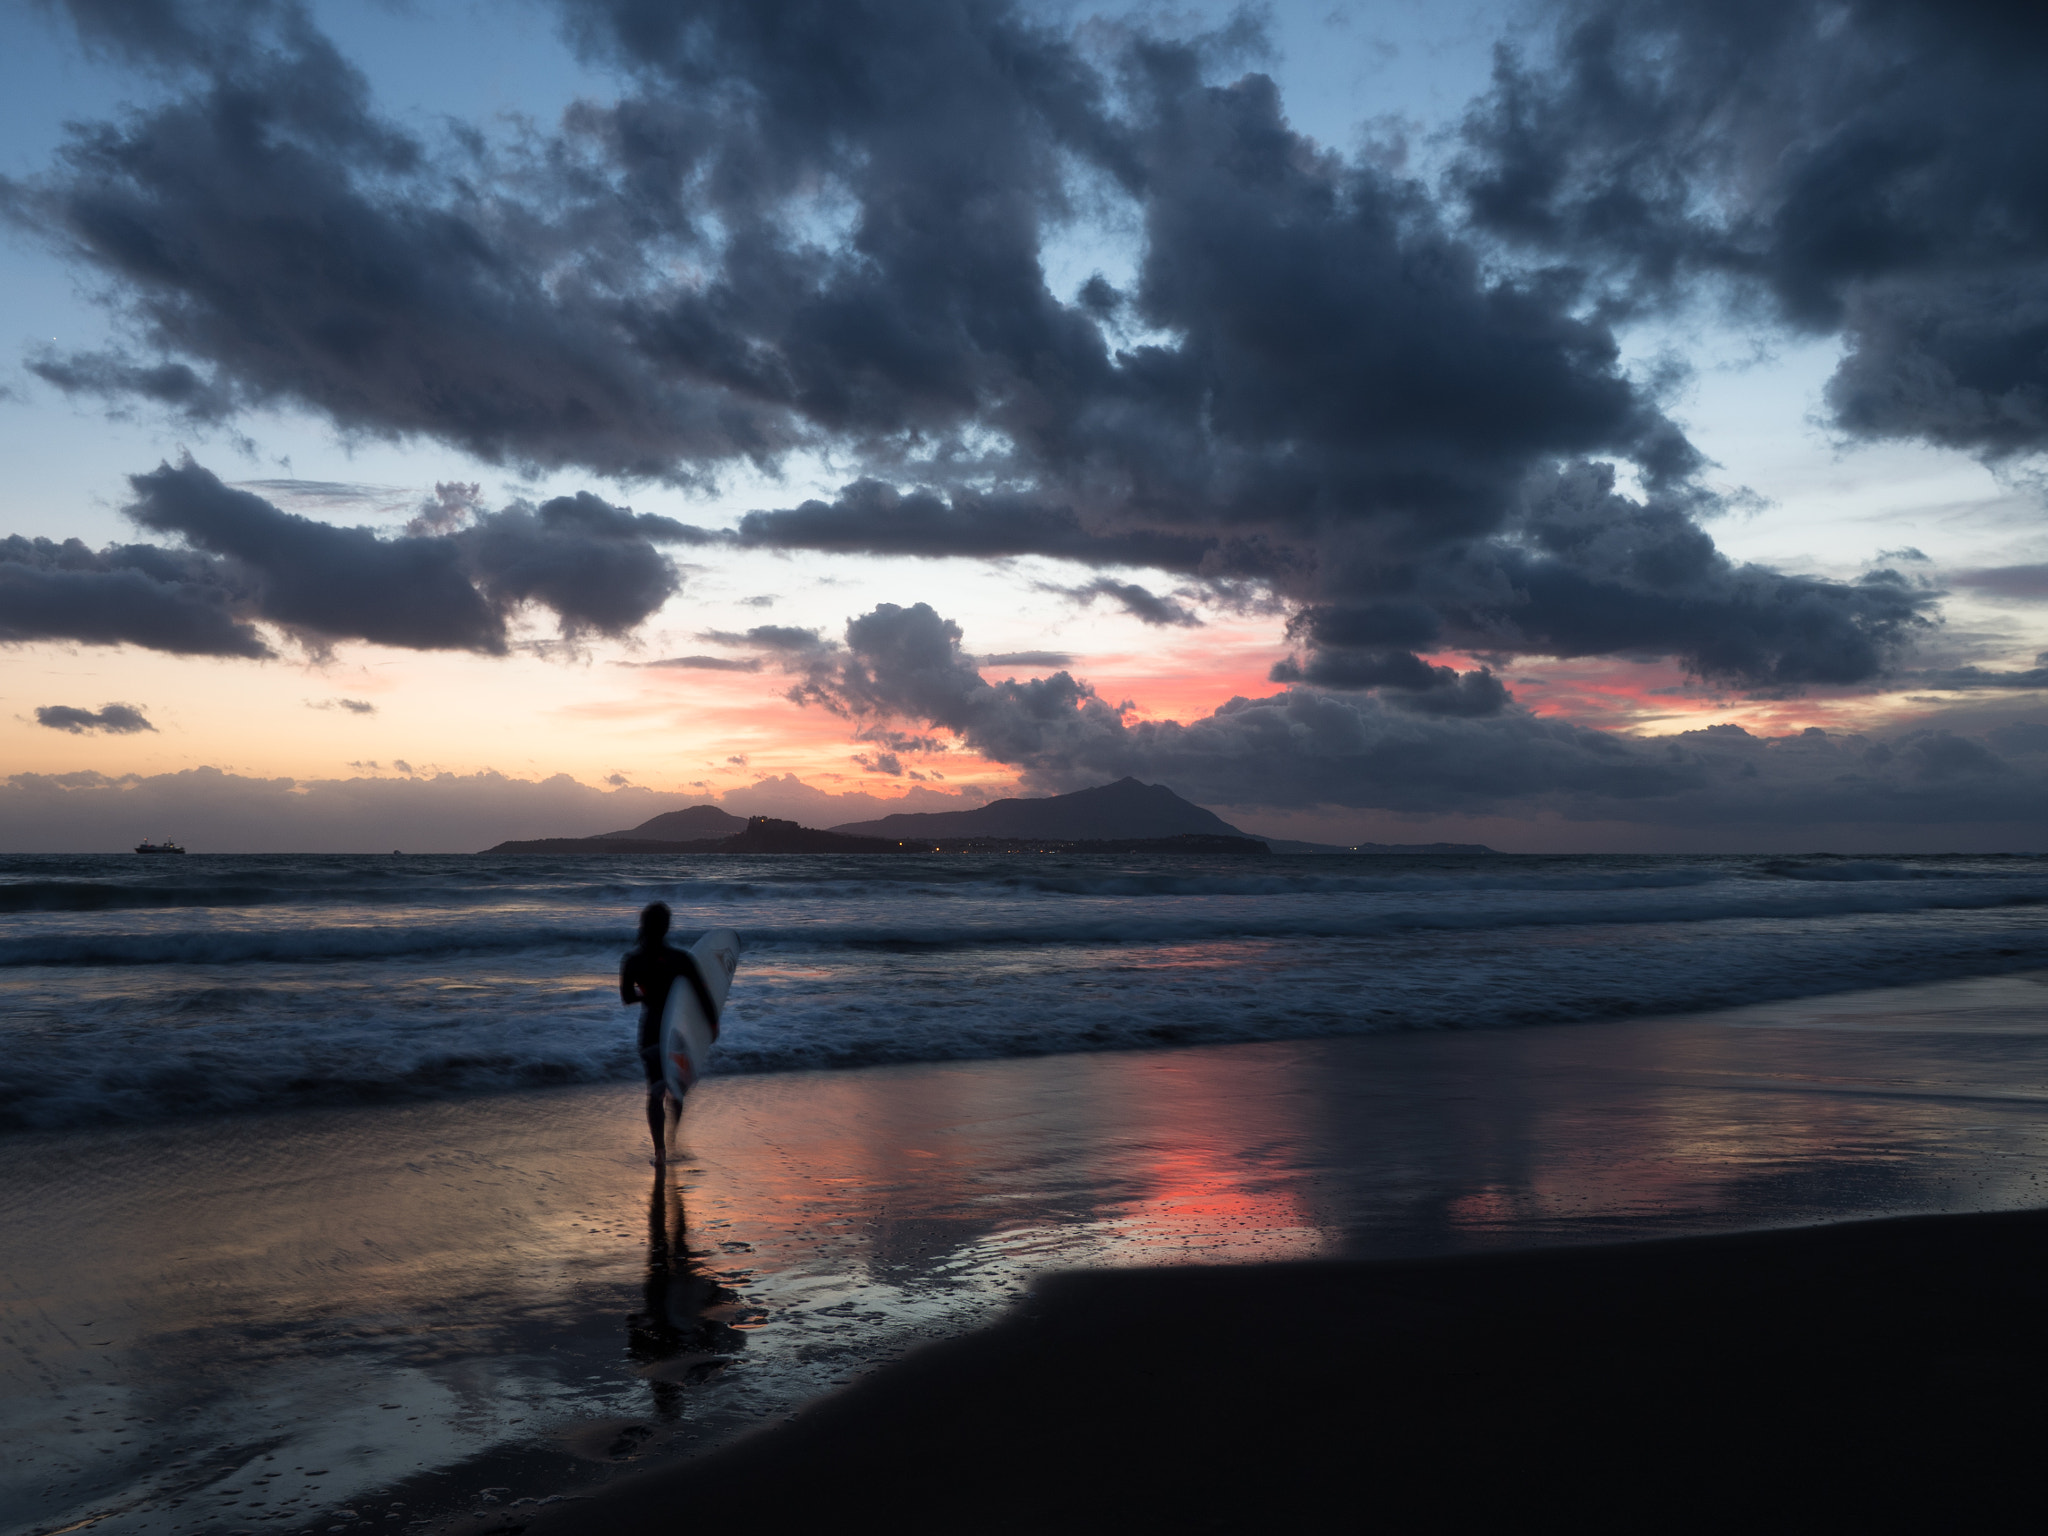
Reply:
x=670, y=1338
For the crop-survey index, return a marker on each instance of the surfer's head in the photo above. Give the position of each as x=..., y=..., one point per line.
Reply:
x=654, y=922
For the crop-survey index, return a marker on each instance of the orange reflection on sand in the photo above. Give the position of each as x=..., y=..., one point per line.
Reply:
x=1152, y=1157
x=1215, y=1175
x=1203, y=1204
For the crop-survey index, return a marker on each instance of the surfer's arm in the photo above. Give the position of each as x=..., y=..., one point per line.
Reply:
x=629, y=989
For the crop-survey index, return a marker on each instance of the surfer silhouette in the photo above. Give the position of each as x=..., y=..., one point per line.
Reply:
x=650, y=969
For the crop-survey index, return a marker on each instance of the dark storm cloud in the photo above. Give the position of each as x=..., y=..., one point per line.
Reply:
x=1586, y=571
x=175, y=385
x=871, y=518
x=335, y=583
x=114, y=719
x=1872, y=166
x=274, y=242
x=1360, y=419
x=1343, y=355
x=1407, y=681
x=135, y=594
x=1972, y=678
x=822, y=227
x=1590, y=572
x=594, y=565
x=1145, y=606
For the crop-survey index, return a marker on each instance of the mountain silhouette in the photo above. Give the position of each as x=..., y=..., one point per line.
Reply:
x=690, y=826
x=1125, y=809
x=1125, y=813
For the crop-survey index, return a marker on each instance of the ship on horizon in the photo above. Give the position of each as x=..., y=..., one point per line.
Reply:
x=166, y=846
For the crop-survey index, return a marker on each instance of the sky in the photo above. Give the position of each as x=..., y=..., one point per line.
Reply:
x=1574, y=427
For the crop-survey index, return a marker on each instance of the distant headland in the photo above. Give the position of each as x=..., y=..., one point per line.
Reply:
x=1126, y=817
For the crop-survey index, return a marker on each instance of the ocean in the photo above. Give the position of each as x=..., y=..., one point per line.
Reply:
x=137, y=988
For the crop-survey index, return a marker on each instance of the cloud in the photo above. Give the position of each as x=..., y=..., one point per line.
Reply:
x=2023, y=738
x=872, y=518
x=595, y=566
x=1972, y=678
x=703, y=663
x=353, y=706
x=1304, y=747
x=1858, y=164
x=215, y=812
x=1140, y=604
x=770, y=637
x=2020, y=581
x=902, y=741
x=1322, y=382
x=212, y=811
x=785, y=647
x=453, y=503
x=1026, y=659
x=136, y=594
x=1585, y=571
x=114, y=719
x=1405, y=680
x=276, y=243
x=333, y=583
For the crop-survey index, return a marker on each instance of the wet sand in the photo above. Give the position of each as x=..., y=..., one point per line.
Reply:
x=388, y=1315
x=1857, y=1375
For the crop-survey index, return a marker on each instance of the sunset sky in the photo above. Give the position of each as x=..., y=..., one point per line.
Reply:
x=1573, y=427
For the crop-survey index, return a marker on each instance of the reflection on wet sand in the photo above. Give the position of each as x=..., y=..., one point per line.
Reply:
x=676, y=1337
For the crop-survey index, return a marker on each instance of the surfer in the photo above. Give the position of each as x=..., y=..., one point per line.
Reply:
x=647, y=973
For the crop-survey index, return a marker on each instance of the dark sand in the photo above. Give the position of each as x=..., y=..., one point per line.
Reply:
x=1875, y=1373
x=381, y=1316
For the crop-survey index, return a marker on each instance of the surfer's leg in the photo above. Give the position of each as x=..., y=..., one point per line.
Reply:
x=675, y=1114
x=655, y=1126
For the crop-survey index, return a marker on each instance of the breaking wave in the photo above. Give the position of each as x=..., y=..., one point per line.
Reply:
x=266, y=982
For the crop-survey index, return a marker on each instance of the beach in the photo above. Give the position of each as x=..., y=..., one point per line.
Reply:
x=375, y=1316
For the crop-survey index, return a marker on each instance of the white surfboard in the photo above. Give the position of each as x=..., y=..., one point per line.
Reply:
x=685, y=1030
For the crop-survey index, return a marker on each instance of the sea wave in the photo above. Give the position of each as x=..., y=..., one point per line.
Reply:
x=220, y=985
x=999, y=925
x=30, y=885
x=230, y=1039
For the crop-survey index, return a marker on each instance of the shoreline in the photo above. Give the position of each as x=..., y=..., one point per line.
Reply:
x=302, y=1320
